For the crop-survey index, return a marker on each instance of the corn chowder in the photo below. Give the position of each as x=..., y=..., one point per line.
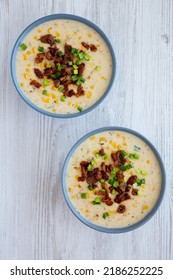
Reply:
x=113, y=179
x=63, y=66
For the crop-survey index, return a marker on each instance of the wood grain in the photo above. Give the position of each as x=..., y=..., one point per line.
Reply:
x=35, y=222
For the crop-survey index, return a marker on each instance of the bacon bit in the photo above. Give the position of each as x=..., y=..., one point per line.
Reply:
x=121, y=209
x=35, y=84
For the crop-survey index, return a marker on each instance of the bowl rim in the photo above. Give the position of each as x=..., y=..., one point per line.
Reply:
x=83, y=219
x=54, y=17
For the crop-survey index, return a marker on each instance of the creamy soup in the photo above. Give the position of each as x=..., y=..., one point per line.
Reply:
x=114, y=179
x=63, y=66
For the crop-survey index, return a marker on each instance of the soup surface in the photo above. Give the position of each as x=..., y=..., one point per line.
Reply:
x=63, y=66
x=113, y=179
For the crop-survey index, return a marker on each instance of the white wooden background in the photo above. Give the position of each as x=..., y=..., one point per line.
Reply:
x=35, y=222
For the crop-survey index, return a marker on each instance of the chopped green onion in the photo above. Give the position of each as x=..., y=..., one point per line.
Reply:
x=90, y=188
x=138, y=171
x=45, y=82
x=87, y=57
x=97, y=200
x=81, y=55
x=115, y=169
x=63, y=98
x=90, y=167
x=56, y=75
x=78, y=61
x=83, y=195
x=74, y=50
x=58, y=41
x=104, y=156
x=49, y=65
x=123, y=153
x=136, y=148
x=123, y=167
x=140, y=181
x=23, y=47
x=70, y=63
x=105, y=215
x=60, y=53
x=111, y=182
x=97, y=68
x=140, y=192
x=40, y=49
x=75, y=66
x=75, y=72
x=93, y=161
x=103, y=190
x=60, y=89
x=129, y=166
x=44, y=92
x=97, y=155
x=59, y=66
x=113, y=191
x=102, y=181
x=115, y=184
x=134, y=156
x=143, y=172
x=112, y=175
x=80, y=109
x=74, y=78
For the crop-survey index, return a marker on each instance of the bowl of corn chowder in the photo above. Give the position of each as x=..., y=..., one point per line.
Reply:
x=113, y=180
x=63, y=65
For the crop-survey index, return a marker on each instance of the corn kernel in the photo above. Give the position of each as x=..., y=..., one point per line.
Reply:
x=34, y=50
x=76, y=105
x=56, y=100
x=28, y=70
x=49, y=29
x=74, y=32
x=114, y=145
x=69, y=103
x=119, y=147
x=48, y=94
x=36, y=37
x=56, y=24
x=69, y=190
x=76, y=177
x=118, y=135
x=29, y=64
x=87, y=195
x=102, y=139
x=91, y=87
x=54, y=88
x=103, y=77
x=46, y=100
x=57, y=34
x=148, y=161
x=41, y=65
x=124, y=144
x=73, y=196
x=90, y=35
x=22, y=84
x=80, y=37
x=87, y=211
x=28, y=52
x=145, y=207
x=92, y=137
x=24, y=56
x=26, y=76
x=88, y=95
x=111, y=212
x=53, y=110
x=54, y=96
x=39, y=30
x=110, y=141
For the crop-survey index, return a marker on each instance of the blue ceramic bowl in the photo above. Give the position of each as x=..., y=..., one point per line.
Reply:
x=45, y=19
x=92, y=225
